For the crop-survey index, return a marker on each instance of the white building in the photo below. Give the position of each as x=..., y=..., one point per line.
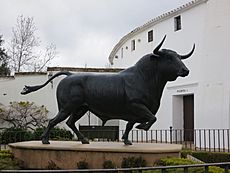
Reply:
x=11, y=87
x=201, y=100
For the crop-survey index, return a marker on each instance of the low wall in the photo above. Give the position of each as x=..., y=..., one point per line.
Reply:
x=66, y=154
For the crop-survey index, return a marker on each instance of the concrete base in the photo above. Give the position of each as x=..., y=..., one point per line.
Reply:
x=66, y=154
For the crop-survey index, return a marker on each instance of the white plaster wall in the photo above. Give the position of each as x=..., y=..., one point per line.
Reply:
x=10, y=89
x=215, y=82
x=207, y=25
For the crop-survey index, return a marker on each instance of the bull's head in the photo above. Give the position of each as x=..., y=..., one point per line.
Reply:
x=170, y=62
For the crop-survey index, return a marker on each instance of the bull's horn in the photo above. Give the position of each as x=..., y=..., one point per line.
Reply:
x=156, y=50
x=189, y=54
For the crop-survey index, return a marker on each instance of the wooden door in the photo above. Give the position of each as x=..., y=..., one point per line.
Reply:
x=188, y=103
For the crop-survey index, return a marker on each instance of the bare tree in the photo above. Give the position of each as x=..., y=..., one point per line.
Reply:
x=24, y=115
x=24, y=46
x=45, y=58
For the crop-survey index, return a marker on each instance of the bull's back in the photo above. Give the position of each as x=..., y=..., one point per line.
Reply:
x=105, y=92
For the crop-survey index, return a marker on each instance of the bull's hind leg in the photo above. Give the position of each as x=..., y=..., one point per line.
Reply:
x=61, y=116
x=125, y=136
x=71, y=123
x=146, y=126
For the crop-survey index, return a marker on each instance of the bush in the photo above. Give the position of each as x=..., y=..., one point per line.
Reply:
x=38, y=133
x=211, y=157
x=174, y=161
x=182, y=161
x=133, y=162
x=8, y=163
x=52, y=166
x=108, y=164
x=61, y=134
x=55, y=134
x=24, y=115
x=11, y=135
x=83, y=165
x=207, y=157
x=184, y=153
x=6, y=154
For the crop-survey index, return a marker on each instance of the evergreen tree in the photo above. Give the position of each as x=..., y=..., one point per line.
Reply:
x=4, y=69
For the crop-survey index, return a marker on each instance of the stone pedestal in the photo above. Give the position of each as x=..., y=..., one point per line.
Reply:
x=66, y=154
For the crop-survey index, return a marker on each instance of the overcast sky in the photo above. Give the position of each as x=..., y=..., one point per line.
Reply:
x=84, y=31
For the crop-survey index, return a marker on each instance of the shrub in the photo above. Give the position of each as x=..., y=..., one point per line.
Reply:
x=56, y=134
x=24, y=115
x=211, y=157
x=133, y=162
x=184, y=153
x=11, y=135
x=108, y=164
x=182, y=161
x=176, y=161
x=83, y=165
x=8, y=163
x=38, y=133
x=207, y=157
x=52, y=166
x=61, y=134
x=6, y=154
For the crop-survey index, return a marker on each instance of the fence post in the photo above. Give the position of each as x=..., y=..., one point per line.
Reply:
x=206, y=169
x=185, y=170
x=163, y=170
x=170, y=134
x=226, y=169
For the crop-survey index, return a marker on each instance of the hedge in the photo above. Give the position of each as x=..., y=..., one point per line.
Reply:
x=207, y=157
x=182, y=161
x=12, y=135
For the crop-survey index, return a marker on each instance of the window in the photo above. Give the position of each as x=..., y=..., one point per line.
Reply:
x=133, y=45
x=177, y=23
x=122, y=52
x=150, y=36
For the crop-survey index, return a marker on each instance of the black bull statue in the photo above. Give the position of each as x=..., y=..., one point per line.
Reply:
x=132, y=95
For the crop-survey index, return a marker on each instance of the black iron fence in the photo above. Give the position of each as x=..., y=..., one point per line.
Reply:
x=217, y=140
x=162, y=169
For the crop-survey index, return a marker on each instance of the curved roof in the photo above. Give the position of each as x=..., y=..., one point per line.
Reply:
x=152, y=22
x=75, y=69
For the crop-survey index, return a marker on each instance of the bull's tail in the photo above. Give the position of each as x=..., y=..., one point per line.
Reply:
x=29, y=89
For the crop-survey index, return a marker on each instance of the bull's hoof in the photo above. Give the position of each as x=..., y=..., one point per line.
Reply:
x=45, y=141
x=127, y=142
x=84, y=141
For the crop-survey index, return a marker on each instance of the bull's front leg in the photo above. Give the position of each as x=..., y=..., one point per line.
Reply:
x=125, y=136
x=145, y=115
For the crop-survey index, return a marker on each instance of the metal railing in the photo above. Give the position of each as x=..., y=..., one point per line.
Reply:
x=162, y=169
x=217, y=140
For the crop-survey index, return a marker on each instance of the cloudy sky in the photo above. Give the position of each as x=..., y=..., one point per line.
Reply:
x=84, y=31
